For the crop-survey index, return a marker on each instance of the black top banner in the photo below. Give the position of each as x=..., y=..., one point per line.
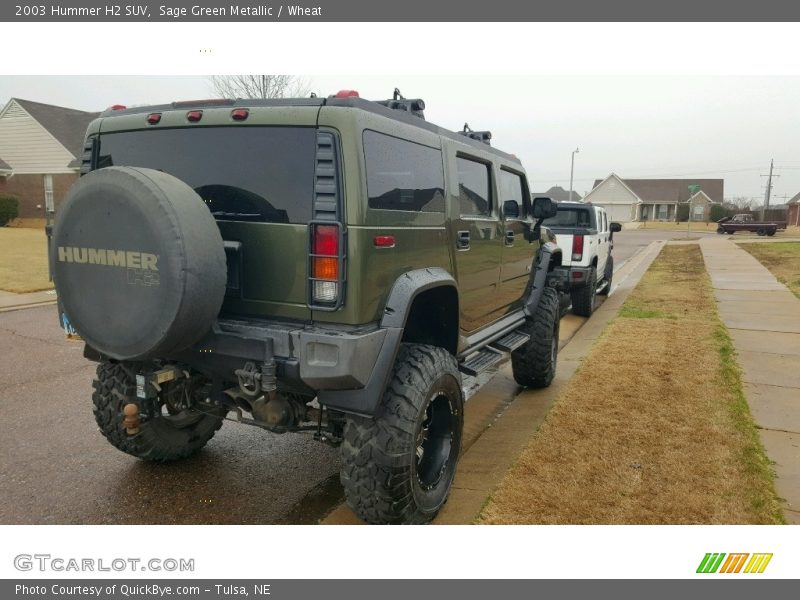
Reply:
x=404, y=11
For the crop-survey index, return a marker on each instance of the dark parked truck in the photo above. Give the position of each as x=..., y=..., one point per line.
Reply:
x=745, y=222
x=329, y=265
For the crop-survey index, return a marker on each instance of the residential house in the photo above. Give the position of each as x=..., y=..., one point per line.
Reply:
x=628, y=200
x=793, y=214
x=558, y=194
x=40, y=149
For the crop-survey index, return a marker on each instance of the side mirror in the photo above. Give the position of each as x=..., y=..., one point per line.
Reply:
x=615, y=227
x=544, y=208
x=511, y=209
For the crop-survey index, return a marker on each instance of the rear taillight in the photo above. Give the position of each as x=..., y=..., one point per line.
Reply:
x=326, y=263
x=577, y=247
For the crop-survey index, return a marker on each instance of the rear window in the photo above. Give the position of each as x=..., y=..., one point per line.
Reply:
x=403, y=175
x=260, y=174
x=570, y=217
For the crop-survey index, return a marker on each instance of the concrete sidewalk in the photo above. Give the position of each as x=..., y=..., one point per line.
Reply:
x=12, y=301
x=763, y=317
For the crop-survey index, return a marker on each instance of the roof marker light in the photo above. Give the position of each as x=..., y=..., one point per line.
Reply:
x=347, y=94
x=153, y=118
x=239, y=114
x=117, y=107
x=194, y=116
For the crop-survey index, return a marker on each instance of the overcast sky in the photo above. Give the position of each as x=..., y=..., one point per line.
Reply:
x=635, y=126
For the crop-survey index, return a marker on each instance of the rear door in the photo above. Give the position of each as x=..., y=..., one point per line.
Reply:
x=476, y=231
x=258, y=183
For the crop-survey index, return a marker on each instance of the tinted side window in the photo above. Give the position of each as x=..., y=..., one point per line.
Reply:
x=261, y=174
x=511, y=188
x=474, y=191
x=403, y=175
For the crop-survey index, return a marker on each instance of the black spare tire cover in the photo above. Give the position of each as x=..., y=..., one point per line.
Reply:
x=138, y=263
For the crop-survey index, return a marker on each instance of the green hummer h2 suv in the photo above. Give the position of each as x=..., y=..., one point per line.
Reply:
x=331, y=265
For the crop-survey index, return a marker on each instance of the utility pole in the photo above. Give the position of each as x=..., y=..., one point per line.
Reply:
x=769, y=185
x=572, y=171
x=768, y=191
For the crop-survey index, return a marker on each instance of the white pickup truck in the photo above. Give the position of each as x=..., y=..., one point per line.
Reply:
x=586, y=239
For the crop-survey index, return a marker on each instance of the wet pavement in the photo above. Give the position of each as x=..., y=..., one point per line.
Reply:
x=630, y=242
x=56, y=468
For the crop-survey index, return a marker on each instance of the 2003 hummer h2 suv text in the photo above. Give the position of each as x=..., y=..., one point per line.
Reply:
x=331, y=265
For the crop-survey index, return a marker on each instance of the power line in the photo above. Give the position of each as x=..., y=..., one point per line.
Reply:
x=666, y=176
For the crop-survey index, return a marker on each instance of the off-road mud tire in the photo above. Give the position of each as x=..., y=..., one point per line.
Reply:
x=379, y=454
x=534, y=363
x=585, y=297
x=608, y=277
x=158, y=439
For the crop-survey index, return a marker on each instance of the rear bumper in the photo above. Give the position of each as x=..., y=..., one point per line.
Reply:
x=319, y=358
x=308, y=359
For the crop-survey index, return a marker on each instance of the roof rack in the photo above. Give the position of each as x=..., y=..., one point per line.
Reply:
x=481, y=136
x=415, y=106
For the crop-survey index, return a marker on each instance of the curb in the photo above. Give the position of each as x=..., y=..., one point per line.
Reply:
x=24, y=306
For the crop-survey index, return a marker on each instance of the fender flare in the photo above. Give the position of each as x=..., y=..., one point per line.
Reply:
x=406, y=288
x=546, y=254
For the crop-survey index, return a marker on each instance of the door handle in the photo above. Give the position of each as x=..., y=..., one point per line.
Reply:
x=509, y=238
x=462, y=242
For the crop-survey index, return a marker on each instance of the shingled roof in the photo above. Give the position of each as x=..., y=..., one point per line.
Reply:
x=671, y=190
x=67, y=125
x=558, y=193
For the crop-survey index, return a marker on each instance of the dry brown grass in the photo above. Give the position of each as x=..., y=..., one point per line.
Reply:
x=673, y=226
x=23, y=260
x=782, y=259
x=28, y=223
x=654, y=427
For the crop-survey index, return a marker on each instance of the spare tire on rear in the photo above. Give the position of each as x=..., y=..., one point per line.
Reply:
x=138, y=263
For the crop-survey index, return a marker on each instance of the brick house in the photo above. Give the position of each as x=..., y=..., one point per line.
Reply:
x=793, y=212
x=40, y=149
x=628, y=200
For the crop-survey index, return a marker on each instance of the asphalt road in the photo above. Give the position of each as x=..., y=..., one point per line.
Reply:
x=55, y=466
x=630, y=241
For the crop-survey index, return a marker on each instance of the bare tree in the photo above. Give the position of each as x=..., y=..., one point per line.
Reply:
x=260, y=86
x=741, y=202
